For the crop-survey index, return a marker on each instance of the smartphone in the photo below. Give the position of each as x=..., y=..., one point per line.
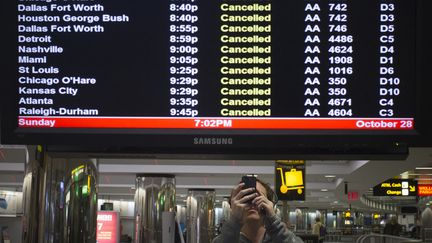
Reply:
x=250, y=182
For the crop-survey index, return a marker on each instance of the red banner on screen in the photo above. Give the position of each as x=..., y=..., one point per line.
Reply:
x=217, y=123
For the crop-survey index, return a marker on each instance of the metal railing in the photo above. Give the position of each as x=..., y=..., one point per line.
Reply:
x=345, y=235
x=379, y=238
x=426, y=234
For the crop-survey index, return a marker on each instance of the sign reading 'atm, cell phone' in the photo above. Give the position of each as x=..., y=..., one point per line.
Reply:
x=290, y=180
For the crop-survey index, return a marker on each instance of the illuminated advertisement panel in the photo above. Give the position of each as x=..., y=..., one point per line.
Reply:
x=108, y=227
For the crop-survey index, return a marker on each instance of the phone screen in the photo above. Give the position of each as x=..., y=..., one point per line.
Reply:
x=250, y=182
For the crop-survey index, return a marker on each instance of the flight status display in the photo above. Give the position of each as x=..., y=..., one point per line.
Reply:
x=228, y=64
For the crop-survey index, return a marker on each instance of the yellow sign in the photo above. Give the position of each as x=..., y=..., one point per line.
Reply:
x=289, y=180
x=78, y=170
x=88, y=183
x=291, y=162
x=293, y=181
x=396, y=187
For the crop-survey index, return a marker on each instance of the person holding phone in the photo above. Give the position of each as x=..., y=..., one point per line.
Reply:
x=253, y=219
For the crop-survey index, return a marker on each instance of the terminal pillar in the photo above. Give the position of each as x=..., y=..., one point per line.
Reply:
x=155, y=208
x=59, y=199
x=226, y=209
x=285, y=213
x=31, y=200
x=426, y=223
x=79, y=208
x=301, y=219
x=200, y=215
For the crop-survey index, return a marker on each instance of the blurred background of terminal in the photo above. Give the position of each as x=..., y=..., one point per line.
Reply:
x=52, y=198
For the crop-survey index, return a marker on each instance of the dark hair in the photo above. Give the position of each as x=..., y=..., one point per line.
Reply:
x=271, y=196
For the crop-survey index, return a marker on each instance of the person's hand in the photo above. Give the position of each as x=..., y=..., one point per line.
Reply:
x=264, y=205
x=239, y=200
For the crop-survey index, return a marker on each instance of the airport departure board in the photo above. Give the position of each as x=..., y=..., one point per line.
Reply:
x=227, y=64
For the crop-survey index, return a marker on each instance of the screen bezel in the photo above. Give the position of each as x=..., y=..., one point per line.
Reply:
x=265, y=143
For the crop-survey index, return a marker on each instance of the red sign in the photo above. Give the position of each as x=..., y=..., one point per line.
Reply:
x=107, y=227
x=236, y=122
x=353, y=196
x=424, y=190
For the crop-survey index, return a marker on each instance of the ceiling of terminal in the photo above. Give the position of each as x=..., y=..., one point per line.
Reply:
x=325, y=179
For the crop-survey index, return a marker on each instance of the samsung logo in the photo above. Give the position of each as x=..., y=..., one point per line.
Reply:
x=213, y=141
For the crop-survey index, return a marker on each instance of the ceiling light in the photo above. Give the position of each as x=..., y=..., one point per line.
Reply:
x=324, y=190
x=418, y=174
x=423, y=168
x=329, y=176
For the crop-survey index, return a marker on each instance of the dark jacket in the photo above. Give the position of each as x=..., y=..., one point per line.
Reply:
x=392, y=229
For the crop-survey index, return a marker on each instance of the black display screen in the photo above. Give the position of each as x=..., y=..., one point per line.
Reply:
x=334, y=67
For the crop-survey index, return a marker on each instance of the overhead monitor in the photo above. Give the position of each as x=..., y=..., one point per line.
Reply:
x=207, y=77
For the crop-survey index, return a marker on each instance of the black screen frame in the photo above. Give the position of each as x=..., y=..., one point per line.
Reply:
x=239, y=143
